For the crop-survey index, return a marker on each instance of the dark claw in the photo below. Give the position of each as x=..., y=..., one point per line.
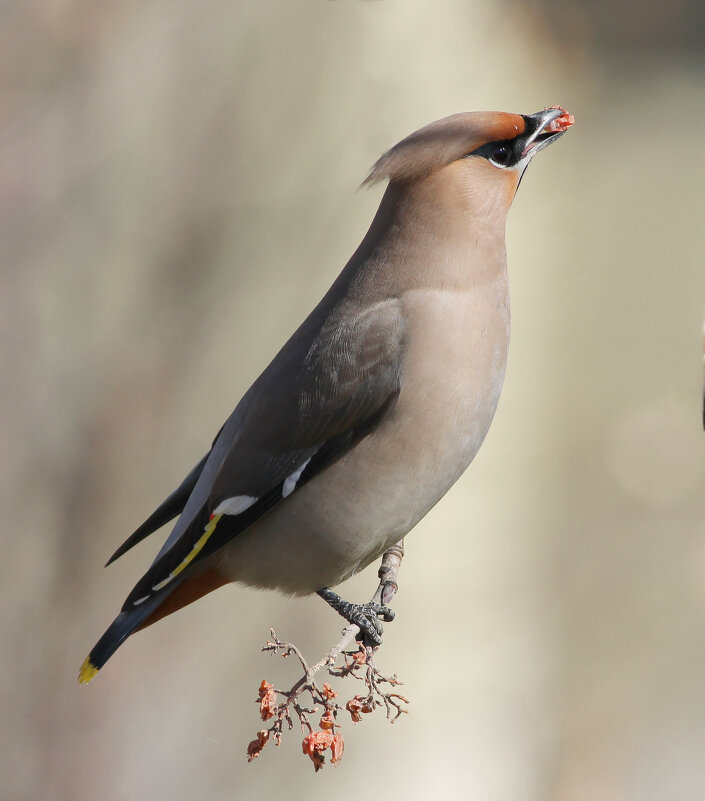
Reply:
x=366, y=616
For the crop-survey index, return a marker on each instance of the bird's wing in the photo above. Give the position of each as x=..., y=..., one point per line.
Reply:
x=166, y=511
x=312, y=405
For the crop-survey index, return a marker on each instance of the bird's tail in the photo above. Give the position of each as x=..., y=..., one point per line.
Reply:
x=120, y=629
x=135, y=615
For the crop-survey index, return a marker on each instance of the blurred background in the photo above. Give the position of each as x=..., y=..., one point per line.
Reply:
x=177, y=190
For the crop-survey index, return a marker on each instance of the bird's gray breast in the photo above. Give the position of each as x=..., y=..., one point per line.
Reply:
x=351, y=512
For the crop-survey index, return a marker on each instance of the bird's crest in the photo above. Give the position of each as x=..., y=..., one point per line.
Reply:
x=441, y=143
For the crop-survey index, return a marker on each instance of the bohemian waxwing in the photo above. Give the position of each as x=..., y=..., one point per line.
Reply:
x=376, y=404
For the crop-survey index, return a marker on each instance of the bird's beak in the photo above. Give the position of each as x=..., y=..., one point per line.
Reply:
x=545, y=127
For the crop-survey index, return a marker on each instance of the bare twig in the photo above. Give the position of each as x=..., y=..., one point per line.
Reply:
x=357, y=663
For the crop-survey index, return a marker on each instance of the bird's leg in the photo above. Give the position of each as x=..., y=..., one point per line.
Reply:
x=366, y=616
x=363, y=615
x=387, y=573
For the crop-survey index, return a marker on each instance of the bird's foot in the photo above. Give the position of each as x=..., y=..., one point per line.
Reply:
x=366, y=616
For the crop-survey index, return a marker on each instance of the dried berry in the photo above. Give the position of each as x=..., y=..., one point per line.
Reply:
x=254, y=749
x=267, y=700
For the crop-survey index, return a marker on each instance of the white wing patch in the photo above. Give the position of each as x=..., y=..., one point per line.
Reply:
x=289, y=484
x=236, y=505
x=141, y=600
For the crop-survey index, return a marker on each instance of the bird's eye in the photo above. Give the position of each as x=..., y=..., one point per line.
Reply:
x=501, y=156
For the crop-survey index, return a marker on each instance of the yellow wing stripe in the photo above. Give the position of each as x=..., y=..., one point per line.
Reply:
x=197, y=548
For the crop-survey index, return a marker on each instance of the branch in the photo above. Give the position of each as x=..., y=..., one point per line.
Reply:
x=358, y=664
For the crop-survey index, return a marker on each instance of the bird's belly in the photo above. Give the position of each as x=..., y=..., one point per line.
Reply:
x=349, y=514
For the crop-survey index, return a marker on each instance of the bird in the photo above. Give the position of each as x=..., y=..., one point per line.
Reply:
x=376, y=404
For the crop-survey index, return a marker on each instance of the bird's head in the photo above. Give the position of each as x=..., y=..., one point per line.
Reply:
x=480, y=155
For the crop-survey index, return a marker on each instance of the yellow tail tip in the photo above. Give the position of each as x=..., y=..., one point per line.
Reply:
x=87, y=671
